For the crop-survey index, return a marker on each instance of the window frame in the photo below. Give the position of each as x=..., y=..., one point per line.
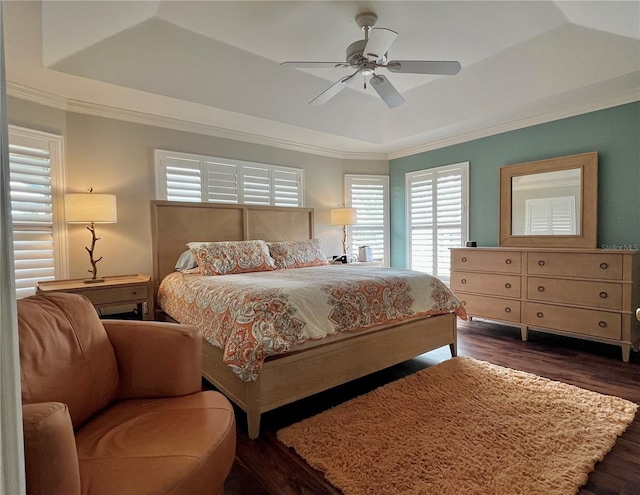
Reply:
x=349, y=180
x=54, y=143
x=241, y=165
x=464, y=228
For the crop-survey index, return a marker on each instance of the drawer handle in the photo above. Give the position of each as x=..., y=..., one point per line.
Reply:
x=463, y=281
x=540, y=288
x=602, y=324
x=604, y=266
x=604, y=295
x=134, y=293
x=507, y=261
x=539, y=314
x=464, y=303
x=540, y=262
x=507, y=310
x=507, y=285
x=464, y=259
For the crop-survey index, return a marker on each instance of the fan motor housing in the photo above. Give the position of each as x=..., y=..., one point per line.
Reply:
x=355, y=55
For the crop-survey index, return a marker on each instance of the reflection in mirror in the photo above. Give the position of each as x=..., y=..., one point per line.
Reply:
x=546, y=203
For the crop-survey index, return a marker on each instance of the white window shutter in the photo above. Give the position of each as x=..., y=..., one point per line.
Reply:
x=256, y=185
x=32, y=215
x=182, y=178
x=287, y=187
x=550, y=216
x=189, y=177
x=420, y=206
x=221, y=183
x=449, y=218
x=369, y=195
x=437, y=218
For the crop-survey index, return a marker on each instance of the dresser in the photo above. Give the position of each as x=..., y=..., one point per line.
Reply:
x=586, y=293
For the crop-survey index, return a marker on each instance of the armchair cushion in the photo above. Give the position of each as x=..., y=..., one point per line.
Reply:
x=178, y=446
x=65, y=354
x=50, y=449
x=156, y=359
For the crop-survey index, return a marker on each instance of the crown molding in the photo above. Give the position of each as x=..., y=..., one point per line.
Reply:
x=105, y=111
x=77, y=106
x=36, y=96
x=613, y=101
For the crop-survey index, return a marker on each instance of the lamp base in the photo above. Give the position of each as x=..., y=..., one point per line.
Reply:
x=93, y=280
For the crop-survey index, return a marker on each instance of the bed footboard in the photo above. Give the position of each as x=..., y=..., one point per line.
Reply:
x=319, y=368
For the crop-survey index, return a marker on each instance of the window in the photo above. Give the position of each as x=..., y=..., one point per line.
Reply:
x=188, y=177
x=369, y=195
x=551, y=216
x=39, y=236
x=436, y=216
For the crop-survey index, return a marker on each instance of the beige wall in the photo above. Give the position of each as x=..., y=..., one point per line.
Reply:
x=117, y=157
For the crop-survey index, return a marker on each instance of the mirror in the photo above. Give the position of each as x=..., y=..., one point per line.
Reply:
x=550, y=203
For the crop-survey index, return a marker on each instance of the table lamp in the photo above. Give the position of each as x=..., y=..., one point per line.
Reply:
x=344, y=217
x=91, y=208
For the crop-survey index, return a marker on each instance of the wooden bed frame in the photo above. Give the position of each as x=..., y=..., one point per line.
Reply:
x=293, y=376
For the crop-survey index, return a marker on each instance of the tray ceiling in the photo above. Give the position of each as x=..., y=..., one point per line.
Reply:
x=216, y=65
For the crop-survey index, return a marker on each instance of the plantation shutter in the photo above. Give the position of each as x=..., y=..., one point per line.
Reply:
x=437, y=217
x=32, y=216
x=182, y=179
x=550, y=216
x=449, y=218
x=286, y=188
x=256, y=185
x=221, y=183
x=188, y=177
x=369, y=195
x=420, y=205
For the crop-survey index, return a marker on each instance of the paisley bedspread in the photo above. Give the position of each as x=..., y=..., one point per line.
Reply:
x=255, y=315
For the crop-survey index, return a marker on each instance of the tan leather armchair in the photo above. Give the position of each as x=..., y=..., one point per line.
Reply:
x=116, y=407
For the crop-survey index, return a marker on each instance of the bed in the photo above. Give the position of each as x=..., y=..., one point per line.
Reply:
x=306, y=369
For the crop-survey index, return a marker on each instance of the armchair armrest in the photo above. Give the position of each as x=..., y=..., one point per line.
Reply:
x=51, y=458
x=156, y=359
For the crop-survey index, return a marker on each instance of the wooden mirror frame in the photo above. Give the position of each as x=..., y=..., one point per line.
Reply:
x=587, y=239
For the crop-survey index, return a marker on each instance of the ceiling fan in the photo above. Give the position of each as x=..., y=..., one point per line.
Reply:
x=369, y=54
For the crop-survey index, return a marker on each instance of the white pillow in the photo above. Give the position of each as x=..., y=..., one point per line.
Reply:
x=186, y=261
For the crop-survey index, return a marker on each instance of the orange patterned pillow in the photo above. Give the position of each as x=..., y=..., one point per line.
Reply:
x=297, y=254
x=222, y=258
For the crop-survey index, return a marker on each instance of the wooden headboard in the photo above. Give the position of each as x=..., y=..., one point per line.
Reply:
x=175, y=223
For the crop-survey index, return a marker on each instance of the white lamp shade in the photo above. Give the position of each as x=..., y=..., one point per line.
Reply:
x=344, y=216
x=90, y=207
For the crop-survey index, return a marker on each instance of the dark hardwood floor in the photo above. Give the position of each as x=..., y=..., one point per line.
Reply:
x=265, y=466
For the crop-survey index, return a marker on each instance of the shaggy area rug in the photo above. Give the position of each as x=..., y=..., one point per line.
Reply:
x=463, y=427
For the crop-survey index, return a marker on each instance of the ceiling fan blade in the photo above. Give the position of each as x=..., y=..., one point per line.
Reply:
x=445, y=68
x=332, y=90
x=386, y=91
x=380, y=40
x=314, y=65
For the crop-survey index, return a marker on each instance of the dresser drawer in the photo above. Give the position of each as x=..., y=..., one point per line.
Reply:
x=493, y=308
x=605, y=266
x=603, y=295
x=579, y=321
x=486, y=283
x=486, y=261
x=117, y=295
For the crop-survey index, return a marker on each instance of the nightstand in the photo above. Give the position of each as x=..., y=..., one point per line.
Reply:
x=118, y=290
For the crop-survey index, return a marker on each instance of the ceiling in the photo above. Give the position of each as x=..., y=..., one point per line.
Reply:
x=214, y=67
